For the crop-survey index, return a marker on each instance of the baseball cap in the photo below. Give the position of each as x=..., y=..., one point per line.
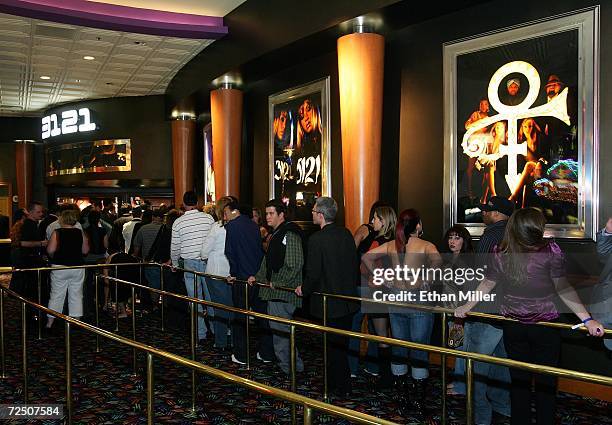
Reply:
x=497, y=203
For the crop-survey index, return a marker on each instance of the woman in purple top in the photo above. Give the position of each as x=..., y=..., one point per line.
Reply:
x=532, y=272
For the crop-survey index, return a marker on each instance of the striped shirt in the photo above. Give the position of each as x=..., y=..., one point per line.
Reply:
x=188, y=232
x=145, y=237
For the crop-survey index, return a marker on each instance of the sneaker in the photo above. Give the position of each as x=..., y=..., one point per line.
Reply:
x=370, y=373
x=262, y=359
x=353, y=375
x=235, y=360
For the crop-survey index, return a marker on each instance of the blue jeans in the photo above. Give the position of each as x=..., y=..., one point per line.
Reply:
x=413, y=326
x=354, y=343
x=220, y=292
x=491, y=382
x=153, y=276
x=202, y=292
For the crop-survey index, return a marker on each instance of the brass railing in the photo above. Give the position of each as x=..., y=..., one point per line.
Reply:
x=443, y=351
x=309, y=405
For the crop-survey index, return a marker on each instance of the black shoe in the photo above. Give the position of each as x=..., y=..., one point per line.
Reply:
x=386, y=380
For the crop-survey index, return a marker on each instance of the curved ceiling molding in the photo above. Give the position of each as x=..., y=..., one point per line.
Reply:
x=120, y=18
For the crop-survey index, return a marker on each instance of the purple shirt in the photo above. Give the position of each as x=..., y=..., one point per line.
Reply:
x=534, y=300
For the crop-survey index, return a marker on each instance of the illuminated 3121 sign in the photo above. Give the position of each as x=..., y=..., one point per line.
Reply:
x=72, y=121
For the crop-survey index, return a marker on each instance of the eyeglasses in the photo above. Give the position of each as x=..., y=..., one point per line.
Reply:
x=316, y=212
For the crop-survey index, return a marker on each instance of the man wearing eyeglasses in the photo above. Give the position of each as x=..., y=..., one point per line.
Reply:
x=331, y=268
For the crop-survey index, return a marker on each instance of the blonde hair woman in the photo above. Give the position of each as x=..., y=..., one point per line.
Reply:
x=67, y=247
x=213, y=250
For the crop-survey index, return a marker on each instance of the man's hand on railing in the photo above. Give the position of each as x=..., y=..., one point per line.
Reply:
x=230, y=279
x=298, y=291
x=251, y=280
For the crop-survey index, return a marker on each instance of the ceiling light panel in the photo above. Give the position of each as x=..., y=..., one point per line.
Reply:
x=134, y=64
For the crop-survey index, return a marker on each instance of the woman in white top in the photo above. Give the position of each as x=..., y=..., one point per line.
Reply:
x=213, y=250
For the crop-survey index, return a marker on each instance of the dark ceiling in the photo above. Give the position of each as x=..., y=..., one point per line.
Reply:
x=266, y=36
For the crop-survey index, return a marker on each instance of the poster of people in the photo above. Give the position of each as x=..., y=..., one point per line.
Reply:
x=299, y=147
x=100, y=156
x=209, y=171
x=517, y=129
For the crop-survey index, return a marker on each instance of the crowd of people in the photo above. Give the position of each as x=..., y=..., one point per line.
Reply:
x=263, y=261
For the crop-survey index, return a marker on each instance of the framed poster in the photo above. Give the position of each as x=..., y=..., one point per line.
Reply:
x=521, y=123
x=100, y=156
x=299, y=147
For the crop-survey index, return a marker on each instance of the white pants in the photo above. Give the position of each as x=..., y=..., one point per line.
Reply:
x=67, y=280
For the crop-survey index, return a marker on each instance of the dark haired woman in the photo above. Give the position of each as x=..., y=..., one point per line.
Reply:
x=532, y=272
x=457, y=252
x=408, y=249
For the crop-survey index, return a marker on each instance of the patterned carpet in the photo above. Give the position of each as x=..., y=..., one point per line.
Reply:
x=106, y=392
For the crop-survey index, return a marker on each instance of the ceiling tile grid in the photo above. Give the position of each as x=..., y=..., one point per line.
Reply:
x=124, y=64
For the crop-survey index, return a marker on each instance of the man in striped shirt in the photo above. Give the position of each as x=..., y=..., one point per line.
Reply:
x=188, y=232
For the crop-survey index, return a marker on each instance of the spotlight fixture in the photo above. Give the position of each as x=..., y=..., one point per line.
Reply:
x=88, y=58
x=45, y=77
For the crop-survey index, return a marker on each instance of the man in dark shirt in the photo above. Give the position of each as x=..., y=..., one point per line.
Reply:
x=244, y=253
x=32, y=250
x=331, y=268
x=487, y=337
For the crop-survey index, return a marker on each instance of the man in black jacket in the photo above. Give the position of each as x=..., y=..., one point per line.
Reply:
x=332, y=268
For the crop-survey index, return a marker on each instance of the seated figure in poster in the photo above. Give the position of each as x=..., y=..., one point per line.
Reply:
x=481, y=113
x=488, y=160
x=535, y=165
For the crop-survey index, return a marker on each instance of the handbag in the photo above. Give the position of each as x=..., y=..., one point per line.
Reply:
x=455, y=335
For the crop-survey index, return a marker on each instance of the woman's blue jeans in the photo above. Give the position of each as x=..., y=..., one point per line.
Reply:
x=414, y=326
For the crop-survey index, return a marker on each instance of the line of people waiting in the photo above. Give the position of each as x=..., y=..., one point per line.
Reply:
x=232, y=246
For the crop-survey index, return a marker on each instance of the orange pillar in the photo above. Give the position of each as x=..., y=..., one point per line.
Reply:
x=226, y=116
x=183, y=157
x=23, y=165
x=360, y=69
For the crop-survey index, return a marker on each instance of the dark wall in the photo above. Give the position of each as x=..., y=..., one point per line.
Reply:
x=140, y=119
x=419, y=50
x=413, y=109
x=7, y=164
x=19, y=128
x=257, y=125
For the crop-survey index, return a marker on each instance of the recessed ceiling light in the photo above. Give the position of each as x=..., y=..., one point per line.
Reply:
x=88, y=58
x=77, y=81
x=45, y=77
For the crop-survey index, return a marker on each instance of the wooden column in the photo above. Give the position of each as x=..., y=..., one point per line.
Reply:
x=23, y=166
x=226, y=115
x=183, y=157
x=360, y=69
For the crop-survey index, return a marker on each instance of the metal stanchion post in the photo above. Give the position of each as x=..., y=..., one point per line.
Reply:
x=248, y=326
x=469, y=391
x=24, y=349
x=96, y=277
x=149, y=389
x=443, y=367
x=293, y=367
x=193, y=354
x=134, y=330
x=308, y=416
x=161, y=297
x=325, y=395
x=117, y=302
x=68, y=375
x=197, y=309
x=39, y=303
x=2, y=333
